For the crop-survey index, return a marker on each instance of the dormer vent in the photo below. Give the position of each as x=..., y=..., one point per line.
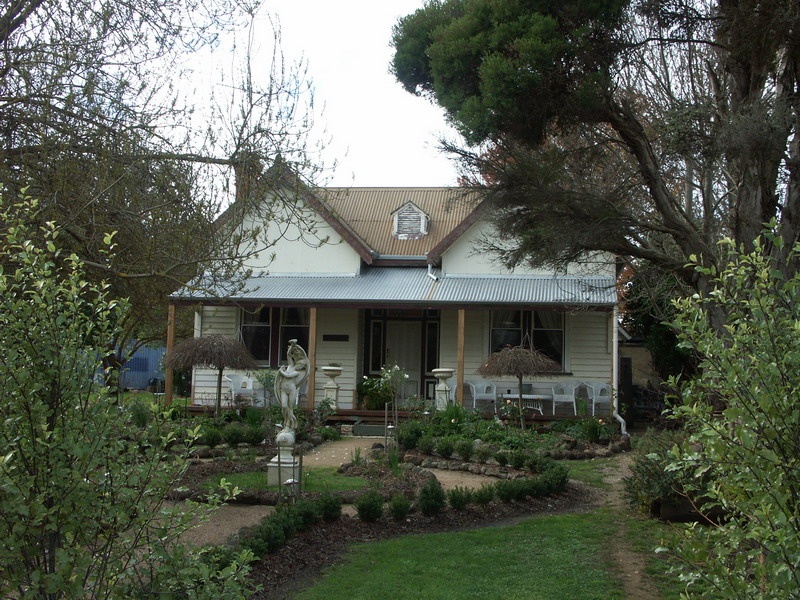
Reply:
x=409, y=222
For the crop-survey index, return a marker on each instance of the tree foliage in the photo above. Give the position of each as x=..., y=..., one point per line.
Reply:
x=83, y=481
x=645, y=128
x=105, y=119
x=744, y=421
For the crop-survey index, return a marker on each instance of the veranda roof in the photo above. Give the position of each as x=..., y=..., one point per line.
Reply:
x=414, y=287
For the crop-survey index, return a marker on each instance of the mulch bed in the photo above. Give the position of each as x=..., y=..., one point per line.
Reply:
x=302, y=561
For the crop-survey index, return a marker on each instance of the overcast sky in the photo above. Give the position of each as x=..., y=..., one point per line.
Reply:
x=381, y=134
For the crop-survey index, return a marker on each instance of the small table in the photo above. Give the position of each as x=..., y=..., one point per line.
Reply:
x=531, y=401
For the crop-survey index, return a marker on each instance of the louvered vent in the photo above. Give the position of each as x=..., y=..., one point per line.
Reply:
x=409, y=222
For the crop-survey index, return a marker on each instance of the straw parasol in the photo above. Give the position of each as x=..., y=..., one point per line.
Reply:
x=218, y=352
x=519, y=362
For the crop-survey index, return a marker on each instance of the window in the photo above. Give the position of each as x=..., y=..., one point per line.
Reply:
x=266, y=332
x=256, y=332
x=294, y=326
x=544, y=329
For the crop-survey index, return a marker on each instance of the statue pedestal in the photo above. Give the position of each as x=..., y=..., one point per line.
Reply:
x=283, y=466
x=442, y=398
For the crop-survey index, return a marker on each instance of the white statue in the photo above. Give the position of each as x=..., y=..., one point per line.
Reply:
x=288, y=381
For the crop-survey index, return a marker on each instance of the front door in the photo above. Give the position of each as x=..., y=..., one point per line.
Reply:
x=403, y=343
x=408, y=339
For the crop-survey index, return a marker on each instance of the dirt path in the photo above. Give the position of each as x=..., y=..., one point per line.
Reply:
x=631, y=565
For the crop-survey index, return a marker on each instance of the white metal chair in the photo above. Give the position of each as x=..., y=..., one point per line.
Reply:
x=601, y=394
x=241, y=387
x=564, y=393
x=482, y=390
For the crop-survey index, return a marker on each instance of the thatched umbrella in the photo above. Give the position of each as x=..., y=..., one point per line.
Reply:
x=218, y=352
x=519, y=362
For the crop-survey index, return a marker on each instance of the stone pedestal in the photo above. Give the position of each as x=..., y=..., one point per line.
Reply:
x=442, y=391
x=331, y=387
x=283, y=466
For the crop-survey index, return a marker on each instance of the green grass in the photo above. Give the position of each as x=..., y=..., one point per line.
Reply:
x=318, y=479
x=562, y=556
x=591, y=471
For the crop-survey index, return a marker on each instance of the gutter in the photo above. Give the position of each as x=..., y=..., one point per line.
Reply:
x=615, y=373
x=431, y=274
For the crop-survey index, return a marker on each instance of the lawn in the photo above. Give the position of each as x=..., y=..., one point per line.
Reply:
x=527, y=561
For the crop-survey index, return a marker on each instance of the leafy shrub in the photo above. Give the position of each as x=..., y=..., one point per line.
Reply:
x=269, y=537
x=253, y=436
x=426, y=444
x=329, y=434
x=234, y=434
x=140, y=414
x=517, y=459
x=369, y=506
x=399, y=507
x=409, y=434
x=444, y=446
x=464, y=448
x=305, y=513
x=459, y=497
x=211, y=437
x=483, y=452
x=650, y=482
x=554, y=478
x=508, y=490
x=484, y=494
x=431, y=498
x=501, y=458
x=330, y=507
x=538, y=464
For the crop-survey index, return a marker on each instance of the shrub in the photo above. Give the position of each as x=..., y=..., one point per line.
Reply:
x=330, y=507
x=459, y=497
x=426, y=444
x=399, y=507
x=517, y=459
x=305, y=513
x=431, y=498
x=409, y=434
x=140, y=414
x=464, y=448
x=742, y=414
x=501, y=458
x=267, y=538
x=254, y=417
x=555, y=478
x=329, y=434
x=484, y=494
x=233, y=434
x=650, y=482
x=253, y=436
x=444, y=446
x=211, y=437
x=369, y=506
x=508, y=490
x=538, y=464
x=483, y=452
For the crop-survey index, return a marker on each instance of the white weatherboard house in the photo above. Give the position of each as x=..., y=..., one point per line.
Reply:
x=400, y=280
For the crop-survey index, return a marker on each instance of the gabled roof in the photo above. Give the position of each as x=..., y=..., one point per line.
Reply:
x=369, y=211
x=363, y=217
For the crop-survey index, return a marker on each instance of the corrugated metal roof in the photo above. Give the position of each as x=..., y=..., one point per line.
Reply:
x=407, y=285
x=369, y=212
